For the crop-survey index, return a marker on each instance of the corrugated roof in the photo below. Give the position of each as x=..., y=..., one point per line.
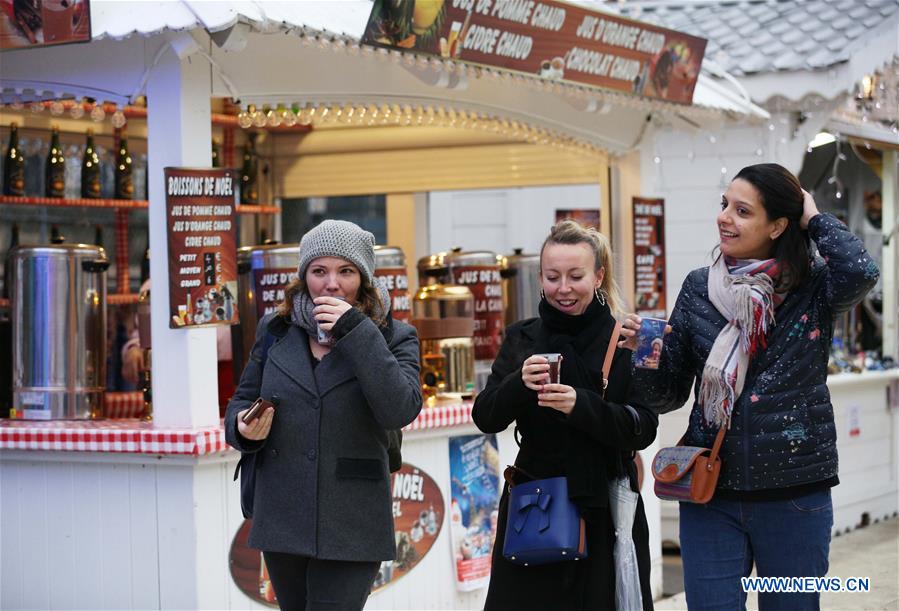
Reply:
x=757, y=36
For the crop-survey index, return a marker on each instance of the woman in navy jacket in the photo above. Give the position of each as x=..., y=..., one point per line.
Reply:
x=751, y=334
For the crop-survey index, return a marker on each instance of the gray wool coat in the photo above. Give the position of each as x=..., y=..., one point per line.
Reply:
x=322, y=479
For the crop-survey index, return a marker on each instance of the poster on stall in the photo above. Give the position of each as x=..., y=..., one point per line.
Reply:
x=649, y=257
x=418, y=514
x=39, y=23
x=547, y=39
x=587, y=217
x=475, y=487
x=269, y=284
x=202, y=242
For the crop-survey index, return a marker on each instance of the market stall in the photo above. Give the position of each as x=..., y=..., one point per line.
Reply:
x=158, y=495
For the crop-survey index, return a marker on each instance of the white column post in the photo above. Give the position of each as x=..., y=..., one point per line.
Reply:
x=179, y=134
x=888, y=271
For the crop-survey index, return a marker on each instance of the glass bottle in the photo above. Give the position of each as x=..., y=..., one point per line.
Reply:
x=90, y=170
x=124, y=185
x=55, y=168
x=249, y=187
x=7, y=267
x=14, y=165
x=216, y=153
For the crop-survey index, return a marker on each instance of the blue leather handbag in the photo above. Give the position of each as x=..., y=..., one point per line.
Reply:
x=543, y=524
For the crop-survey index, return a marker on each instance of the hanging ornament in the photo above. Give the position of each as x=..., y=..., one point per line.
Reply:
x=97, y=113
x=118, y=119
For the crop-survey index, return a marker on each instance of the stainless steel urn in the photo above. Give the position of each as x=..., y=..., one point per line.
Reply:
x=59, y=331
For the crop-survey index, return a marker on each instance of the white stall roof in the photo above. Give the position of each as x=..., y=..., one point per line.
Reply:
x=344, y=19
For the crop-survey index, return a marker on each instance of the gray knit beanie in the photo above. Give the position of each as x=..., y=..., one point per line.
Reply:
x=339, y=239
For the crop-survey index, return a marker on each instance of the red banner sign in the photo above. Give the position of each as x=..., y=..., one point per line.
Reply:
x=397, y=283
x=552, y=39
x=202, y=238
x=39, y=23
x=649, y=257
x=485, y=283
x=269, y=284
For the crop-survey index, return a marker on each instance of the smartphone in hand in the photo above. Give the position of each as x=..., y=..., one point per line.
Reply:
x=256, y=410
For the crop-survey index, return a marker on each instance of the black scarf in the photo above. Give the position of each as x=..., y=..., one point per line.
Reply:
x=582, y=340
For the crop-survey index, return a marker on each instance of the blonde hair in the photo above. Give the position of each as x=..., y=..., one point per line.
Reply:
x=569, y=231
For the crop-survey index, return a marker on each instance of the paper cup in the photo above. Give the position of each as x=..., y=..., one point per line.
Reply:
x=650, y=341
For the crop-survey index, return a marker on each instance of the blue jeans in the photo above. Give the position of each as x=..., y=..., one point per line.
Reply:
x=720, y=542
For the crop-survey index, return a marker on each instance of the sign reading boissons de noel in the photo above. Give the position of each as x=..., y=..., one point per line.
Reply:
x=202, y=243
x=554, y=40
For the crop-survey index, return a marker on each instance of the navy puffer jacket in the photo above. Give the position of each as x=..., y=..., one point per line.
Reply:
x=782, y=430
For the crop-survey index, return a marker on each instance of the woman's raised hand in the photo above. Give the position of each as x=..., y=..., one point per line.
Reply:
x=535, y=372
x=630, y=326
x=258, y=429
x=809, y=209
x=328, y=310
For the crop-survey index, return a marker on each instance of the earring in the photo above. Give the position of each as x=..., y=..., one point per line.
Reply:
x=542, y=295
x=600, y=296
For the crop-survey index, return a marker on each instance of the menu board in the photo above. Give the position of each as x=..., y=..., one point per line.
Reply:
x=554, y=40
x=649, y=257
x=38, y=23
x=202, y=238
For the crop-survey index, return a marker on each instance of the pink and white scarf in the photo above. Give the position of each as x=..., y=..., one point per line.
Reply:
x=743, y=291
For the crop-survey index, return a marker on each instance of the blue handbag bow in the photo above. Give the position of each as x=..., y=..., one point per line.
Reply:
x=540, y=500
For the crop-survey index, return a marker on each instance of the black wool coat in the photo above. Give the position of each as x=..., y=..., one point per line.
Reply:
x=782, y=432
x=614, y=422
x=322, y=480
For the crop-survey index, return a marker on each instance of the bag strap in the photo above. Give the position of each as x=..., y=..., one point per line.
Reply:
x=610, y=353
x=509, y=474
x=719, y=439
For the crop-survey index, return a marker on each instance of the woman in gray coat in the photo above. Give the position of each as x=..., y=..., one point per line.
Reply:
x=341, y=373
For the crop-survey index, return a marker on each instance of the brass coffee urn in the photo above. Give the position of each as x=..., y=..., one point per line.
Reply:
x=444, y=317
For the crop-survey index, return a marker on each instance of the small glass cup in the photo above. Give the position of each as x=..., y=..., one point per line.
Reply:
x=555, y=366
x=650, y=341
x=324, y=337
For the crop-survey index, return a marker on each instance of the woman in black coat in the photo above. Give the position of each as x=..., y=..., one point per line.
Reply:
x=569, y=429
x=751, y=335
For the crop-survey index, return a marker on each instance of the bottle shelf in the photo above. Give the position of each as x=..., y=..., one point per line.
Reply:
x=72, y=203
x=113, y=299
x=122, y=298
x=257, y=209
x=115, y=203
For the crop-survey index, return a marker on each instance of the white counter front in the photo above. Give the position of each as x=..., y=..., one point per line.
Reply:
x=118, y=514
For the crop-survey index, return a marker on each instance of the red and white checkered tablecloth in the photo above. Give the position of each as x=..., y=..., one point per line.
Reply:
x=125, y=435
x=130, y=435
x=441, y=416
